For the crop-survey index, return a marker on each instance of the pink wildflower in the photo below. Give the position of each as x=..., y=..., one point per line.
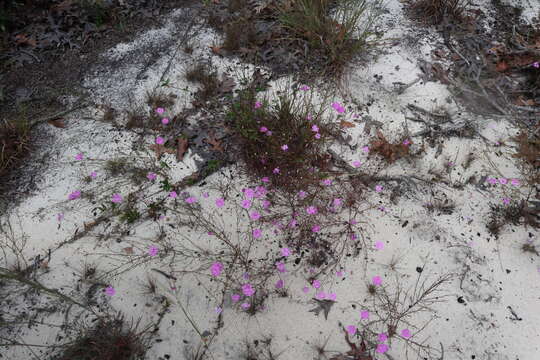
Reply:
x=378, y=188
x=152, y=251
x=151, y=176
x=93, y=174
x=503, y=181
x=492, y=181
x=285, y=147
x=302, y=194
x=351, y=329
x=191, y=200
x=255, y=215
x=257, y=105
x=235, y=297
x=79, y=156
x=266, y=204
x=536, y=64
x=316, y=284
x=376, y=280
x=316, y=228
x=160, y=140
x=337, y=106
x=332, y=296
x=173, y=194
x=109, y=290
x=315, y=128
x=160, y=110
x=216, y=268
x=249, y=193
x=285, y=252
x=320, y=295
x=365, y=149
x=356, y=163
x=279, y=284
x=382, y=337
x=379, y=245
x=305, y=289
x=406, y=142
x=281, y=267
x=165, y=121
x=245, y=305
x=263, y=129
x=317, y=136
x=116, y=198
x=364, y=314
x=257, y=233
x=246, y=204
x=382, y=348
x=59, y=217
x=276, y=171
x=74, y=195
x=327, y=182
x=506, y=201
x=311, y=210
x=248, y=290
x=515, y=182
x=220, y=202
x=265, y=179
x=304, y=88
x=406, y=333
x=337, y=202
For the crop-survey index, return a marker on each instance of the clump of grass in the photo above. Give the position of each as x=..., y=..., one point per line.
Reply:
x=159, y=99
x=130, y=215
x=530, y=248
x=116, y=167
x=337, y=41
x=433, y=12
x=109, y=339
x=515, y=213
x=286, y=123
x=528, y=149
x=14, y=144
x=210, y=84
x=239, y=33
x=372, y=289
x=446, y=206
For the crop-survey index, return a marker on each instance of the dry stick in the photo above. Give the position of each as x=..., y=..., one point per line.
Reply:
x=59, y=114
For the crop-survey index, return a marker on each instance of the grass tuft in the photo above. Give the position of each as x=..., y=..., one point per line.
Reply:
x=433, y=12
x=14, y=144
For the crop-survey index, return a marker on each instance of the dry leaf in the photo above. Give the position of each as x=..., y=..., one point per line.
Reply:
x=216, y=144
x=346, y=124
x=23, y=39
x=59, y=123
x=160, y=149
x=181, y=149
x=128, y=250
x=502, y=66
x=216, y=49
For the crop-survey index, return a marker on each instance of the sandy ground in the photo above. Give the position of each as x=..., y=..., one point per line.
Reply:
x=488, y=310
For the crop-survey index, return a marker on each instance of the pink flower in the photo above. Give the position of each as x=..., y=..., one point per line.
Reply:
x=279, y=284
x=266, y=204
x=246, y=204
x=235, y=297
x=269, y=133
x=315, y=128
x=59, y=217
x=406, y=142
x=536, y=64
x=265, y=179
x=379, y=245
x=165, y=121
x=304, y=87
x=353, y=236
x=260, y=191
x=257, y=105
x=316, y=284
x=160, y=110
x=160, y=140
x=248, y=290
x=245, y=305
x=337, y=106
x=276, y=171
x=281, y=267
x=340, y=273
x=152, y=251
x=293, y=223
x=316, y=228
x=257, y=233
x=255, y=215
x=376, y=280
x=249, y=193
x=218, y=310
x=216, y=268
x=93, y=174
x=317, y=136
x=327, y=182
x=406, y=333
x=320, y=295
x=173, y=194
x=378, y=188
x=305, y=289
x=492, y=181
x=365, y=149
x=116, y=198
x=515, y=182
x=285, y=252
x=109, y=290
x=74, y=195
x=302, y=194
x=308, y=117
x=382, y=337
x=503, y=181
x=191, y=200
x=263, y=129
x=311, y=210
x=351, y=329
x=337, y=202
x=220, y=202
x=151, y=176
x=506, y=201
x=382, y=348
x=206, y=195
x=356, y=163
x=79, y=156
x=332, y=296
x=285, y=147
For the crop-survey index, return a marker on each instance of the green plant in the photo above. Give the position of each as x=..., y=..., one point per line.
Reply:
x=433, y=12
x=336, y=38
x=130, y=215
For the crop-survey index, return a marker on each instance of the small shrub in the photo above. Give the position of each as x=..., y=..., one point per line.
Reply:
x=289, y=122
x=14, y=144
x=390, y=152
x=239, y=33
x=109, y=339
x=209, y=80
x=433, y=12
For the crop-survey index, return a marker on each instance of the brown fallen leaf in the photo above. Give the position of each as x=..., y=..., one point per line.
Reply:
x=216, y=144
x=216, y=49
x=23, y=39
x=181, y=149
x=502, y=66
x=59, y=123
x=128, y=250
x=346, y=124
x=160, y=149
